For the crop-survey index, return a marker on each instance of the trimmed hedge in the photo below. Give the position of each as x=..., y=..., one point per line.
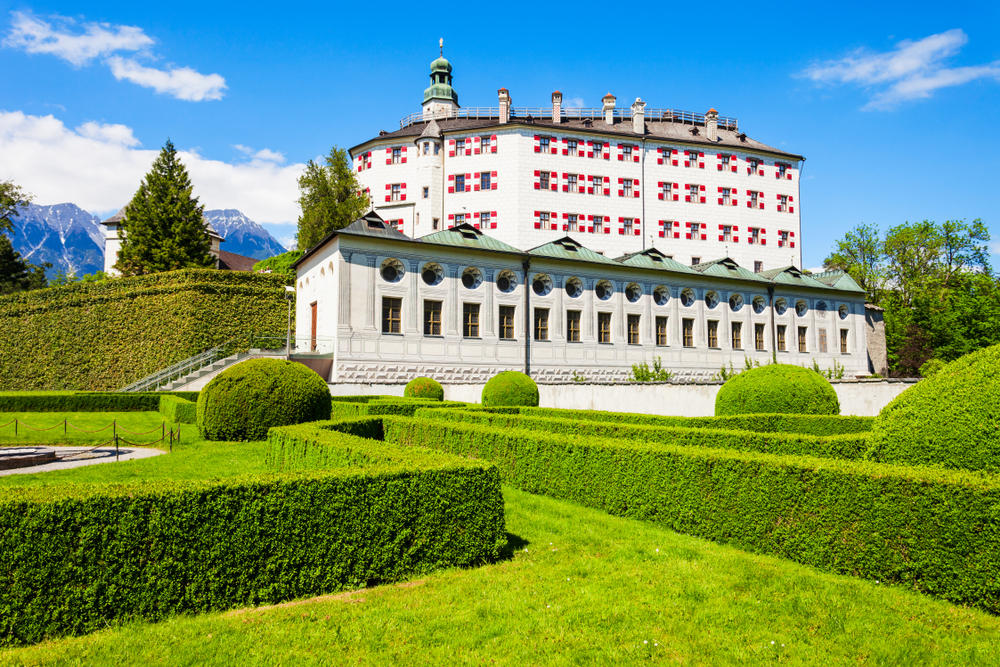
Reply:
x=951, y=419
x=107, y=334
x=930, y=529
x=81, y=401
x=74, y=558
x=510, y=388
x=777, y=388
x=386, y=405
x=849, y=446
x=244, y=401
x=424, y=387
x=179, y=410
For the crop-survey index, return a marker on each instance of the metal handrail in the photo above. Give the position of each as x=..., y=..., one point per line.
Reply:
x=181, y=368
x=569, y=113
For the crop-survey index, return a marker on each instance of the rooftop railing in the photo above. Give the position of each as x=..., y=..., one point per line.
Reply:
x=545, y=113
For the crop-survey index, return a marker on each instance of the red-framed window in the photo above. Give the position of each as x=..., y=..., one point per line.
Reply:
x=694, y=159
x=729, y=233
x=666, y=155
x=783, y=170
x=755, y=199
x=546, y=180
x=628, y=152
x=462, y=183
x=599, y=150
x=398, y=222
x=574, y=183
x=755, y=166
x=756, y=236
x=696, y=231
x=785, y=204
x=786, y=237
x=599, y=224
x=628, y=187
x=599, y=185
x=455, y=219
x=395, y=155
x=667, y=191
x=484, y=180
x=629, y=226
x=546, y=144
x=574, y=147
x=395, y=191
x=484, y=219
x=727, y=196
x=547, y=220
x=669, y=229
x=364, y=161
x=695, y=193
x=727, y=162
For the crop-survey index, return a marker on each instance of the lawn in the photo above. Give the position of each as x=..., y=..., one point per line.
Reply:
x=82, y=427
x=580, y=587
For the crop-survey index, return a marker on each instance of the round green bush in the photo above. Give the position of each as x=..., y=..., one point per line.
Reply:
x=777, y=388
x=510, y=388
x=424, y=387
x=242, y=402
x=951, y=419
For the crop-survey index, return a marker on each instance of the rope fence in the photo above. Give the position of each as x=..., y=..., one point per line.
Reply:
x=169, y=436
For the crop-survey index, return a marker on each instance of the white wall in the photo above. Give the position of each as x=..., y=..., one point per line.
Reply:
x=861, y=398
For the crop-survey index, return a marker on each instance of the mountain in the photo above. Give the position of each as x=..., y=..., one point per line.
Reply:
x=243, y=235
x=65, y=235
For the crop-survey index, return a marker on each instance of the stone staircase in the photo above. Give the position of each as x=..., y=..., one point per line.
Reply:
x=198, y=378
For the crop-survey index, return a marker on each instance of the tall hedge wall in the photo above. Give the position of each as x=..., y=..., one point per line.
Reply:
x=106, y=335
x=74, y=558
x=930, y=529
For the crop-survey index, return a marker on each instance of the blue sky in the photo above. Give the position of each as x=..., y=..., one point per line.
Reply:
x=896, y=107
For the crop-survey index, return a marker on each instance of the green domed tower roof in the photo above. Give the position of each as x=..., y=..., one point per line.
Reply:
x=440, y=88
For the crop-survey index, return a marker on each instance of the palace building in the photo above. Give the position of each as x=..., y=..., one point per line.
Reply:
x=570, y=243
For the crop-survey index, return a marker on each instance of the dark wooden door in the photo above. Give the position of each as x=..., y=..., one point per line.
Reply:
x=312, y=327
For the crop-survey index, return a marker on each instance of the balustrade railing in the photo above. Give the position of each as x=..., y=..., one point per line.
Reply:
x=569, y=113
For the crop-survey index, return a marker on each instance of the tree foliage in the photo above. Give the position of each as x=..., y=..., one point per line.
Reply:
x=16, y=274
x=935, y=282
x=330, y=198
x=164, y=228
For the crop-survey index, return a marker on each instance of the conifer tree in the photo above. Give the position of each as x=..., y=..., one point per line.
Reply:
x=329, y=198
x=16, y=274
x=163, y=226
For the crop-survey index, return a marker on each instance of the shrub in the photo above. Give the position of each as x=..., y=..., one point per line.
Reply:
x=930, y=529
x=280, y=265
x=82, y=401
x=108, y=334
x=424, y=387
x=78, y=557
x=510, y=388
x=950, y=419
x=177, y=409
x=643, y=373
x=777, y=388
x=243, y=402
x=931, y=367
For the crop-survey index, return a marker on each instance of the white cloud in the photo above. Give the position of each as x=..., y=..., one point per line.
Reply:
x=95, y=40
x=263, y=155
x=181, y=82
x=80, y=44
x=574, y=103
x=913, y=70
x=995, y=247
x=99, y=167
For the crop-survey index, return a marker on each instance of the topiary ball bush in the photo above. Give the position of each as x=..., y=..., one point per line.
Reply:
x=951, y=419
x=510, y=388
x=423, y=387
x=777, y=388
x=242, y=402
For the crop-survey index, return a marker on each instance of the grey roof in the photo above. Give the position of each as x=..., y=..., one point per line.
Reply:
x=467, y=236
x=431, y=131
x=727, y=268
x=568, y=248
x=663, y=130
x=371, y=224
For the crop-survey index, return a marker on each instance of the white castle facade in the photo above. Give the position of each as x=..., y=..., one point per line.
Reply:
x=571, y=244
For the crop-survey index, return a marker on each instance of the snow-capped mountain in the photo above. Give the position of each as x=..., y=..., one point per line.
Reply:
x=243, y=235
x=64, y=235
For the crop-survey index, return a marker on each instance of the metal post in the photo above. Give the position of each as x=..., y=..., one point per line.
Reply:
x=288, y=338
x=64, y=427
x=116, y=447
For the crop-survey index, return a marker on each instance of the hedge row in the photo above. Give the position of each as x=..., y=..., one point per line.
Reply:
x=179, y=410
x=106, y=335
x=74, y=558
x=846, y=446
x=83, y=401
x=930, y=529
x=761, y=423
x=386, y=405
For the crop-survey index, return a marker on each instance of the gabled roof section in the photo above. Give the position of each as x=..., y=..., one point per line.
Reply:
x=793, y=277
x=432, y=131
x=467, y=236
x=373, y=225
x=727, y=268
x=568, y=248
x=837, y=279
x=651, y=258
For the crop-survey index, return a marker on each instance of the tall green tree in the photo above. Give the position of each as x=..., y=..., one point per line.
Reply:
x=12, y=198
x=330, y=198
x=16, y=274
x=163, y=227
x=861, y=254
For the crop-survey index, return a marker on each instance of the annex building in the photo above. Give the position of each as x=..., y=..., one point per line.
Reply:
x=570, y=243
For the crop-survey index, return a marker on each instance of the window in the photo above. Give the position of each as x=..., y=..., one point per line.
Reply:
x=843, y=341
x=661, y=331
x=432, y=318
x=754, y=199
x=571, y=182
x=599, y=186
x=506, y=321
x=668, y=228
x=484, y=143
x=437, y=148
x=543, y=143
x=571, y=145
x=782, y=238
x=627, y=188
x=427, y=192
x=782, y=203
x=821, y=334
x=724, y=161
x=470, y=320
x=737, y=335
x=571, y=222
x=713, y=333
x=598, y=224
x=599, y=149
x=780, y=333
x=484, y=180
x=543, y=217
x=392, y=314
x=753, y=164
x=397, y=155
x=627, y=152
x=694, y=191
x=687, y=328
x=754, y=236
x=573, y=326
x=782, y=169
x=758, y=337
x=727, y=233
x=695, y=261
x=459, y=218
x=459, y=182
x=628, y=225
x=758, y=266
x=460, y=145
x=726, y=199
x=692, y=159
x=802, y=339
x=603, y=327
x=632, y=322
x=543, y=180
x=427, y=148
x=541, y=323
x=666, y=191
x=394, y=191
x=435, y=222
x=485, y=219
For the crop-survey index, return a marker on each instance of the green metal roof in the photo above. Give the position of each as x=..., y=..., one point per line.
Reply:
x=467, y=236
x=567, y=248
x=653, y=259
x=727, y=268
x=792, y=277
x=837, y=279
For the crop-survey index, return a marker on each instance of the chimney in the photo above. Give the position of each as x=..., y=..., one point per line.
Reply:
x=609, y=108
x=712, y=125
x=557, y=107
x=504, y=105
x=639, y=116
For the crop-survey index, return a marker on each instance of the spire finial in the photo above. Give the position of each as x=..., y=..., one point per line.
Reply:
x=441, y=46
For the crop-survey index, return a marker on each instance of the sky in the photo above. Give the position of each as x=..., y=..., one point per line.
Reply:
x=896, y=106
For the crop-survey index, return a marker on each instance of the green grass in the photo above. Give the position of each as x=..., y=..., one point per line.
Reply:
x=580, y=587
x=133, y=426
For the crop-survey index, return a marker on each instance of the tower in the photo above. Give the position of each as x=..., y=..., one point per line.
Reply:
x=440, y=99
